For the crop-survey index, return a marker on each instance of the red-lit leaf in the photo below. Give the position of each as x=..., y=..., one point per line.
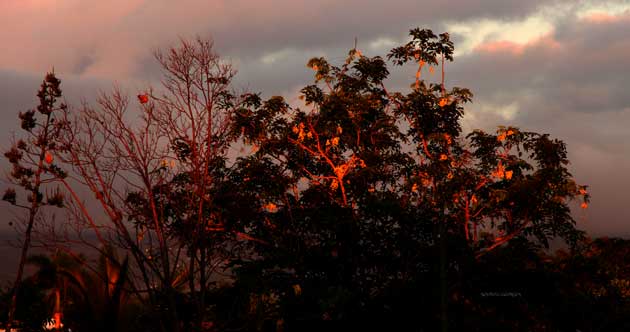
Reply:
x=48, y=157
x=143, y=98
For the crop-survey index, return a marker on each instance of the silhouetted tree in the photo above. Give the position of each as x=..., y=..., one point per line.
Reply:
x=361, y=196
x=155, y=176
x=34, y=166
x=363, y=209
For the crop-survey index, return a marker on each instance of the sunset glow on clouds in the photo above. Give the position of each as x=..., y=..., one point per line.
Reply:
x=476, y=34
x=517, y=49
x=35, y=42
x=603, y=18
x=557, y=66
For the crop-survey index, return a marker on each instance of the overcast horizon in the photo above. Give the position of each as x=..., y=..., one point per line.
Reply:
x=558, y=67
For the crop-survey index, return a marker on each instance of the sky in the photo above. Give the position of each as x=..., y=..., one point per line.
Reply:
x=558, y=67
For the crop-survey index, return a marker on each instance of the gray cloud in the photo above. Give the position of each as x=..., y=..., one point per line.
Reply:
x=578, y=92
x=116, y=34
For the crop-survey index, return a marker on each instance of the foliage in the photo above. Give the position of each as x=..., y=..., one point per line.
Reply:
x=364, y=208
x=370, y=187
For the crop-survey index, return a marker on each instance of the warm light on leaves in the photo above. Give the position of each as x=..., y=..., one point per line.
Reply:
x=448, y=139
x=334, y=185
x=299, y=129
x=340, y=171
x=335, y=141
x=270, y=207
x=508, y=174
x=499, y=172
x=443, y=157
x=443, y=102
x=167, y=163
x=584, y=205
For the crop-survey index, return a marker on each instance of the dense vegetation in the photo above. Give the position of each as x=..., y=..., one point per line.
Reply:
x=363, y=209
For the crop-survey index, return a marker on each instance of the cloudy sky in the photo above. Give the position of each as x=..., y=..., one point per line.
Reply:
x=561, y=67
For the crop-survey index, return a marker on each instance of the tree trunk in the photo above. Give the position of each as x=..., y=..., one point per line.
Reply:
x=20, y=272
x=29, y=228
x=443, y=278
x=57, y=314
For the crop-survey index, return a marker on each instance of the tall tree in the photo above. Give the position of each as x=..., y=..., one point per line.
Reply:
x=349, y=192
x=347, y=212
x=510, y=184
x=152, y=165
x=33, y=166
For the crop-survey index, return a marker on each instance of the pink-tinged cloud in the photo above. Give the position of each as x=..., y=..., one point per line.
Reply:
x=70, y=35
x=501, y=46
x=109, y=39
x=605, y=18
x=544, y=43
